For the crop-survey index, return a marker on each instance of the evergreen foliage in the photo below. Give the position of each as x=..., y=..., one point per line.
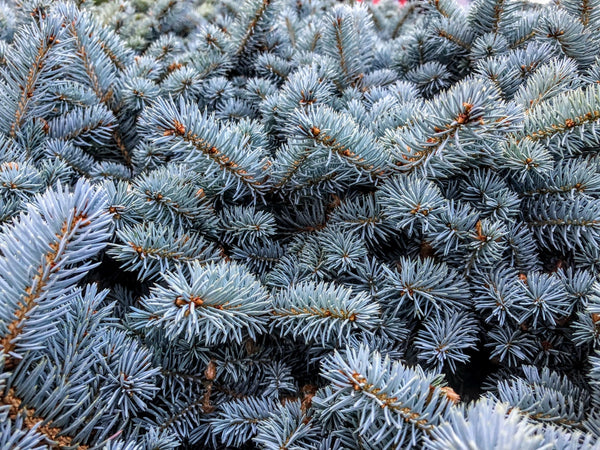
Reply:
x=299, y=224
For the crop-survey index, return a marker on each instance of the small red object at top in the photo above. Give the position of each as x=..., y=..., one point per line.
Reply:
x=402, y=2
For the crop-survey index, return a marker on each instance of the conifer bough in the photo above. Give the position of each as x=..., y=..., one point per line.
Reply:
x=282, y=224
